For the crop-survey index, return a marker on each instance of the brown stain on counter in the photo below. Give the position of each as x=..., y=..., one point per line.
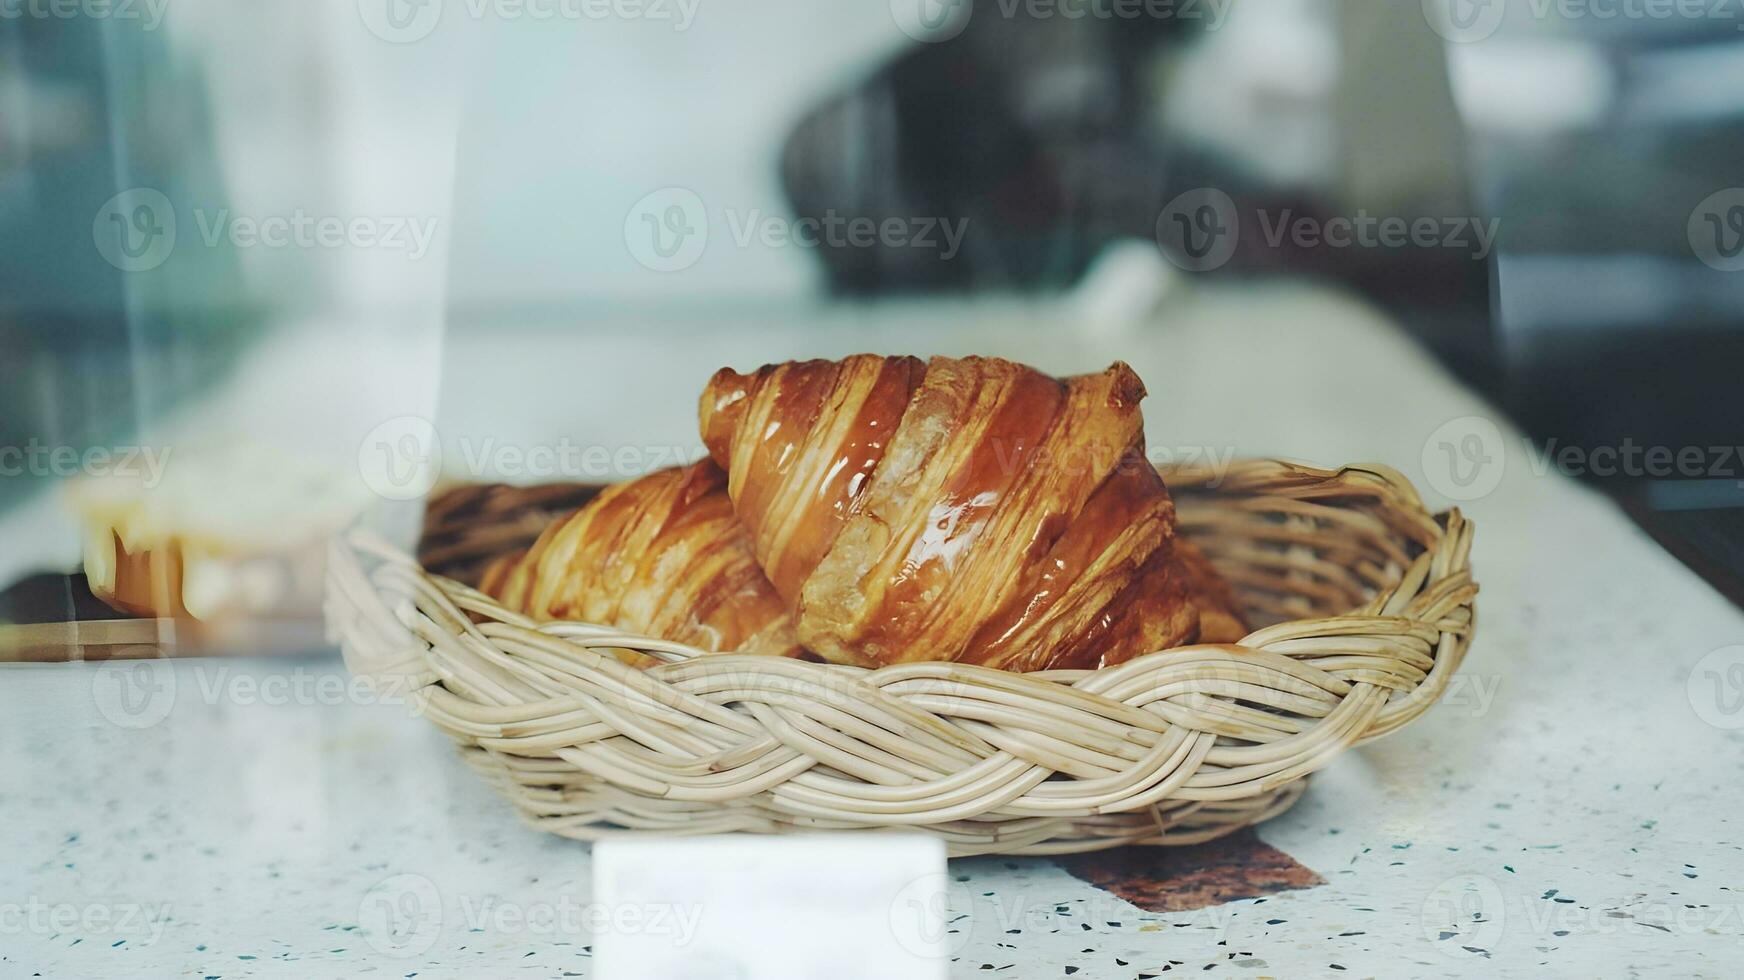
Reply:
x=1180, y=879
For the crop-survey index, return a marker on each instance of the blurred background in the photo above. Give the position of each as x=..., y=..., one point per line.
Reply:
x=270, y=272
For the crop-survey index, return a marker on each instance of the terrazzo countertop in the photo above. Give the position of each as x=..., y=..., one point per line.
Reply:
x=1571, y=808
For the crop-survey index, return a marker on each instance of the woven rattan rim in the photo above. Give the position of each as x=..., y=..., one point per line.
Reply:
x=1367, y=604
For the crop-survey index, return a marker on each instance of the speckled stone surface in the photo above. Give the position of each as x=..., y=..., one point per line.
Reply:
x=1571, y=809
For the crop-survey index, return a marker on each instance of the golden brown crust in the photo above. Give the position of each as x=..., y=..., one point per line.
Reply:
x=1220, y=616
x=663, y=556
x=493, y=581
x=799, y=441
x=990, y=514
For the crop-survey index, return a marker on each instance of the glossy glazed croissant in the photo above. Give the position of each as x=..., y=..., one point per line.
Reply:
x=1220, y=616
x=959, y=509
x=662, y=556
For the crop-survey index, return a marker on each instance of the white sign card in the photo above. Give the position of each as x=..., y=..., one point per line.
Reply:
x=745, y=907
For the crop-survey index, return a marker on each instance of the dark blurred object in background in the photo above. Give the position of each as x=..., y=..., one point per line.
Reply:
x=1055, y=137
x=1609, y=149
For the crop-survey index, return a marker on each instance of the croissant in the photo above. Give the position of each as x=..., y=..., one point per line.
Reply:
x=1220, y=618
x=957, y=509
x=661, y=556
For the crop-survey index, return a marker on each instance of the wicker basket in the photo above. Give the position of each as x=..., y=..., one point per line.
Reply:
x=1364, y=601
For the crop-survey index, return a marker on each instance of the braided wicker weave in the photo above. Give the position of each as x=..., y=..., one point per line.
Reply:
x=1365, y=601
